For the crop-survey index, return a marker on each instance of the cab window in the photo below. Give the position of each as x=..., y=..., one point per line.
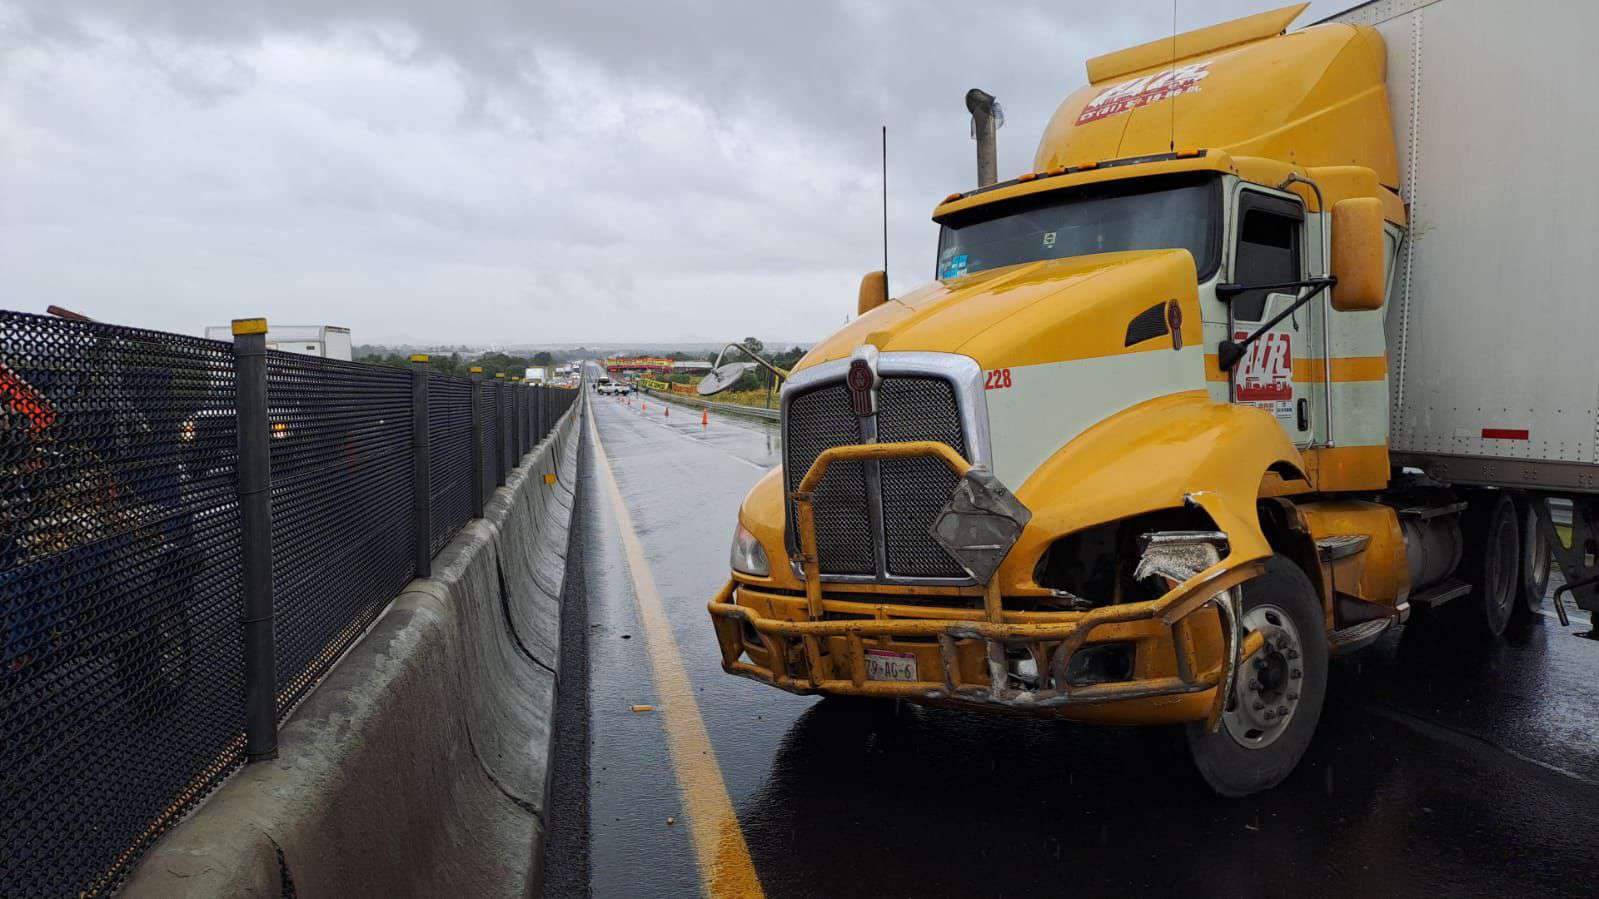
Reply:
x=1268, y=250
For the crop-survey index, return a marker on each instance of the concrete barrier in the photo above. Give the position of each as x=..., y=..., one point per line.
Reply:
x=419, y=766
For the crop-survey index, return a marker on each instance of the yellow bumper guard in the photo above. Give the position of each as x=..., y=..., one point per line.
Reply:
x=1051, y=645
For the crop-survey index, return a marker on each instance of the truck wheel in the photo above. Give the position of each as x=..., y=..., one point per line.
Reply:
x=1537, y=559
x=1276, y=702
x=1492, y=561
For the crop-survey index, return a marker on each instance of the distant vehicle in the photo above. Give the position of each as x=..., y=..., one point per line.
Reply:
x=536, y=374
x=325, y=341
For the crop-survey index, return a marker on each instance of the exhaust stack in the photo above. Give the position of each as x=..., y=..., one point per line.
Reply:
x=987, y=117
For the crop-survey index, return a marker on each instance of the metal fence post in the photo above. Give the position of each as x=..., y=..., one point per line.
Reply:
x=477, y=442
x=421, y=467
x=539, y=403
x=501, y=429
x=255, y=518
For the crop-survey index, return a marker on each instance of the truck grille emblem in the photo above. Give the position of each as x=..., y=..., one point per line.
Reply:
x=862, y=387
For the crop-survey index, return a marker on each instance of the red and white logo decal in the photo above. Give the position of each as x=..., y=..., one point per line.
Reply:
x=1266, y=373
x=1143, y=91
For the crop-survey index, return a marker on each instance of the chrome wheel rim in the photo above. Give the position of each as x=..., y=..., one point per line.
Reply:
x=1266, y=696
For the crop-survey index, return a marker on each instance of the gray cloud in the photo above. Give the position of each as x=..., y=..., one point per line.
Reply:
x=479, y=170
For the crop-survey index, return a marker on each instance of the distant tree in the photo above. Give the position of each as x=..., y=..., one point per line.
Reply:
x=754, y=344
x=542, y=358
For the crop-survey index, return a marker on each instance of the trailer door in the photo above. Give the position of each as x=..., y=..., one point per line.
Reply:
x=1272, y=375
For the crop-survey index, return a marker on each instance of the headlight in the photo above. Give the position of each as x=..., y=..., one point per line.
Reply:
x=747, y=555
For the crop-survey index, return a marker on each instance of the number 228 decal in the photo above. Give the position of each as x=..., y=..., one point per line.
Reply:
x=998, y=379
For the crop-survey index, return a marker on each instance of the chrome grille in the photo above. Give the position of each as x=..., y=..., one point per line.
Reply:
x=911, y=491
x=914, y=490
x=818, y=420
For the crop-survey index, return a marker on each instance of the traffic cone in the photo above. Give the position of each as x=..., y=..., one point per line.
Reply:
x=705, y=417
x=668, y=411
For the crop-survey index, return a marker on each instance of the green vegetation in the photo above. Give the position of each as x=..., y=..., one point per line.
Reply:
x=457, y=364
x=756, y=398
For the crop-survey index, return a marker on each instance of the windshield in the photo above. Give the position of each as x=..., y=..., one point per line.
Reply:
x=1148, y=214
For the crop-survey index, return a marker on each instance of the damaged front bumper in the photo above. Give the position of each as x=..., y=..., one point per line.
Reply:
x=826, y=651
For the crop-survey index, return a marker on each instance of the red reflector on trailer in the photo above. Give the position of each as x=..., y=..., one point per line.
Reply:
x=1506, y=434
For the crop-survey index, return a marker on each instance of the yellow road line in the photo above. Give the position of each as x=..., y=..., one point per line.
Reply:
x=724, y=857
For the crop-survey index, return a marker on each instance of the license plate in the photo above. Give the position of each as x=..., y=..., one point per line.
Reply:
x=881, y=664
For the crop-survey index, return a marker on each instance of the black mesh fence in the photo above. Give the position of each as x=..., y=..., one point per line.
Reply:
x=121, y=665
x=489, y=434
x=450, y=449
x=556, y=402
x=508, y=430
x=341, y=506
x=121, y=591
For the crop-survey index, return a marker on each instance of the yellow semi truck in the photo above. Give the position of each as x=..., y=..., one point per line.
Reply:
x=1266, y=352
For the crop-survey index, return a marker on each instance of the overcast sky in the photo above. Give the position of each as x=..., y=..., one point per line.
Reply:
x=496, y=171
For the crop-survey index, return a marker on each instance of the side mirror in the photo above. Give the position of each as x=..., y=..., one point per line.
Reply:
x=1357, y=255
x=874, y=292
x=723, y=377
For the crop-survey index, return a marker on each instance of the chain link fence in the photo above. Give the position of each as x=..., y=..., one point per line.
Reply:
x=122, y=647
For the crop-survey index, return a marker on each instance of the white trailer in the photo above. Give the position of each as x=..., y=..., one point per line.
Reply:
x=1493, y=325
x=325, y=341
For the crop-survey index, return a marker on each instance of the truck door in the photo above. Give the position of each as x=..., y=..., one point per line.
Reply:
x=1269, y=250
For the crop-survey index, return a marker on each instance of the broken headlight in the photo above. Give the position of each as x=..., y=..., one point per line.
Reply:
x=1177, y=556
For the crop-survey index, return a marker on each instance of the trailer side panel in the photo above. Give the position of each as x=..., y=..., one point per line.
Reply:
x=1494, y=325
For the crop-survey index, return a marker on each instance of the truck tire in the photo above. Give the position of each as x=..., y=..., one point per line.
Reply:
x=1492, y=563
x=1277, y=699
x=1537, y=560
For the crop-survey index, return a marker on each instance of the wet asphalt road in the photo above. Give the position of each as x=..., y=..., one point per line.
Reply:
x=1441, y=765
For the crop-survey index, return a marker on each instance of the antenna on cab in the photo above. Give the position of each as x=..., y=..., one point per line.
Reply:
x=1171, y=145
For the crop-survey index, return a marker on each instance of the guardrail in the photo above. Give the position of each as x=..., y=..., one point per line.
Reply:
x=164, y=498
x=733, y=408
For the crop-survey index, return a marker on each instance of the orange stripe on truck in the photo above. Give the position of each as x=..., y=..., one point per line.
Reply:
x=1345, y=368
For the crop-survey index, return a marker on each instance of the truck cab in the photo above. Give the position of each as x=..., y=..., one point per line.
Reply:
x=1126, y=459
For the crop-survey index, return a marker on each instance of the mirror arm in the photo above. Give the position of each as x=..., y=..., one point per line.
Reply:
x=1228, y=352
x=781, y=374
x=1226, y=290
